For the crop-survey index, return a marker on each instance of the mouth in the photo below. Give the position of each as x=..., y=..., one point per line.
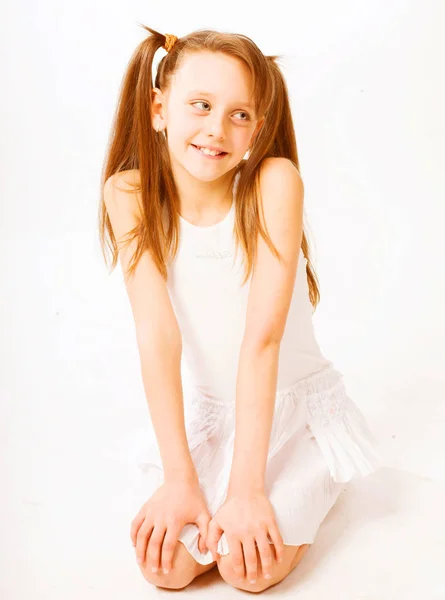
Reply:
x=207, y=155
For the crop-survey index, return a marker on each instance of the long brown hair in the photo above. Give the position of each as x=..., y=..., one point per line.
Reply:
x=134, y=144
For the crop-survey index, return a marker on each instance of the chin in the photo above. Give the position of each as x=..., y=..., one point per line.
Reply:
x=204, y=174
x=204, y=177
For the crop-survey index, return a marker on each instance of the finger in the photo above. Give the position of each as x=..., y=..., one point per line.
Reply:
x=236, y=552
x=201, y=544
x=141, y=541
x=203, y=524
x=277, y=541
x=135, y=525
x=168, y=548
x=153, y=557
x=266, y=554
x=213, y=536
x=250, y=559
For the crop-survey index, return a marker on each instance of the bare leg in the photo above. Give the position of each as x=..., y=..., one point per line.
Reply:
x=185, y=570
x=292, y=556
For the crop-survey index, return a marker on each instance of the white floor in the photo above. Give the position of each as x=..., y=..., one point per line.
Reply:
x=66, y=537
x=70, y=387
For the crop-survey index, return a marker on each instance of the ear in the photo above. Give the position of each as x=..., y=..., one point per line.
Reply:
x=156, y=107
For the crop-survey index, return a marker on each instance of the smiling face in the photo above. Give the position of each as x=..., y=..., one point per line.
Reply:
x=209, y=103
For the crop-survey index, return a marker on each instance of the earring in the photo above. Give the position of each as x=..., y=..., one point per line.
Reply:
x=163, y=131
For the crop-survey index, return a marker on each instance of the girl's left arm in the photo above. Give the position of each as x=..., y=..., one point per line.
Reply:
x=270, y=295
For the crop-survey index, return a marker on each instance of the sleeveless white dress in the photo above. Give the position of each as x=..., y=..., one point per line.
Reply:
x=319, y=440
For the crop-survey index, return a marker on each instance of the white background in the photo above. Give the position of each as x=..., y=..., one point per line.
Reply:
x=367, y=90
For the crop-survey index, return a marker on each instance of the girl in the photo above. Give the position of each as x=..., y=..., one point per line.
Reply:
x=251, y=459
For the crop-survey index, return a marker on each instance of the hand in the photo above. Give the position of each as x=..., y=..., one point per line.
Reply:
x=246, y=519
x=173, y=505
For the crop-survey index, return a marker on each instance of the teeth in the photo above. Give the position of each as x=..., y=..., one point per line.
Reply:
x=210, y=152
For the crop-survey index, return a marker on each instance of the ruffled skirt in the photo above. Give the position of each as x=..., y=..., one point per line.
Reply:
x=319, y=441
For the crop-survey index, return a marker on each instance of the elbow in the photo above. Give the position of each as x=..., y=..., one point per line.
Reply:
x=152, y=337
x=264, y=333
x=257, y=343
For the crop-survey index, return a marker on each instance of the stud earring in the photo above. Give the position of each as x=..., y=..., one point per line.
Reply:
x=163, y=131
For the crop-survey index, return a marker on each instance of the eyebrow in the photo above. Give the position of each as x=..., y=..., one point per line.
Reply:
x=201, y=93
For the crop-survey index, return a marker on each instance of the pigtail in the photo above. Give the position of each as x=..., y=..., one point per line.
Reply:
x=134, y=144
x=283, y=143
x=280, y=130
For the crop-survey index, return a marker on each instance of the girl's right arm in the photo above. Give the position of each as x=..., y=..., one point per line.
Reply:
x=158, y=335
x=179, y=500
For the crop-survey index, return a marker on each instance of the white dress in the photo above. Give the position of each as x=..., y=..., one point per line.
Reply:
x=319, y=439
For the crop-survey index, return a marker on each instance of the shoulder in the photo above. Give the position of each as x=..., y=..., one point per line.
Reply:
x=277, y=163
x=124, y=180
x=121, y=187
x=123, y=205
x=281, y=188
x=279, y=171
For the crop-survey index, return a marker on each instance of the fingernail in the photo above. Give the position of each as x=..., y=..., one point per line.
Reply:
x=280, y=560
x=253, y=581
x=154, y=570
x=165, y=571
x=267, y=576
x=139, y=559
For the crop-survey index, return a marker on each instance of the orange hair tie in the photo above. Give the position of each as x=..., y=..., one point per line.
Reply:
x=170, y=41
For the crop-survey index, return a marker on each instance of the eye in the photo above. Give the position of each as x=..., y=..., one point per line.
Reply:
x=244, y=113
x=200, y=102
x=240, y=112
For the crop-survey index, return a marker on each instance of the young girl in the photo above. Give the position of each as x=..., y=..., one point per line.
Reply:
x=216, y=264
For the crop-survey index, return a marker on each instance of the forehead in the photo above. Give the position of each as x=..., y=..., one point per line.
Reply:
x=215, y=73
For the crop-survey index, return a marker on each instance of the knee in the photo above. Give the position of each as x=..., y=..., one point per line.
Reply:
x=292, y=556
x=177, y=579
x=230, y=576
x=184, y=571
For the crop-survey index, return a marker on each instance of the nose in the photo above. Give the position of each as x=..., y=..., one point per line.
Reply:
x=215, y=126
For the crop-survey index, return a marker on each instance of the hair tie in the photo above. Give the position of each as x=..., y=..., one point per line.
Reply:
x=170, y=41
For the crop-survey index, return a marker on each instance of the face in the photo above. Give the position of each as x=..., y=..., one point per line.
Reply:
x=209, y=103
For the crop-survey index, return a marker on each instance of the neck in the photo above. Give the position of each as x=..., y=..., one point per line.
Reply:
x=203, y=202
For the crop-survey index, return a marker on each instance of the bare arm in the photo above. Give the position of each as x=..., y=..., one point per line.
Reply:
x=158, y=335
x=268, y=305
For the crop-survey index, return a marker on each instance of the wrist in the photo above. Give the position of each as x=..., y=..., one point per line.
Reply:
x=246, y=478
x=246, y=487
x=185, y=473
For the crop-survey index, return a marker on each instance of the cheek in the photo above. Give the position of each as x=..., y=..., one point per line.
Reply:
x=180, y=126
x=185, y=131
x=243, y=137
